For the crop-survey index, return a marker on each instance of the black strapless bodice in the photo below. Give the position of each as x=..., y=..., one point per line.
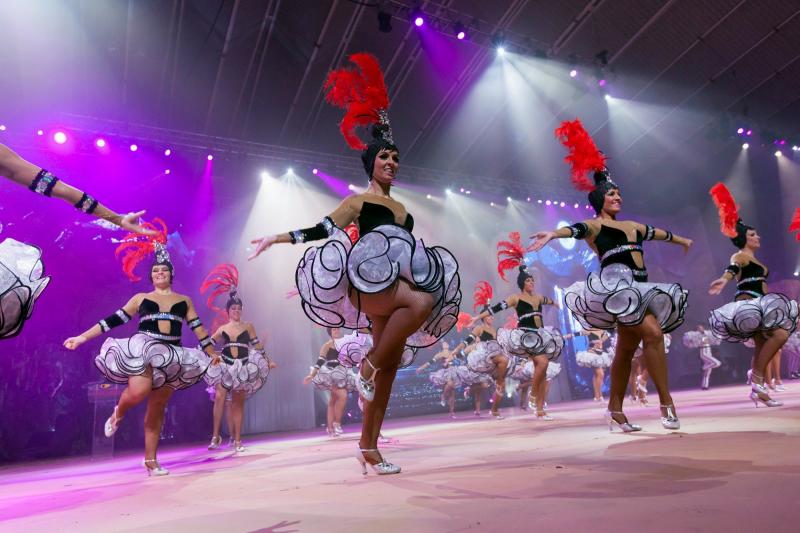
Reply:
x=613, y=246
x=150, y=314
x=486, y=336
x=241, y=343
x=374, y=215
x=751, y=280
x=527, y=315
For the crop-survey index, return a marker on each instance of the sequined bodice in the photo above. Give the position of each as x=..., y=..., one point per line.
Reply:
x=529, y=317
x=241, y=343
x=751, y=280
x=374, y=215
x=613, y=246
x=150, y=314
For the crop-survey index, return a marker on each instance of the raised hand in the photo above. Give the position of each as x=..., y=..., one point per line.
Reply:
x=261, y=245
x=717, y=285
x=540, y=239
x=130, y=222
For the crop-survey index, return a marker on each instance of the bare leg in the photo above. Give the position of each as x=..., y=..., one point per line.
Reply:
x=237, y=414
x=597, y=383
x=219, y=410
x=524, y=388
x=339, y=405
x=153, y=420
x=766, y=348
x=228, y=417
x=627, y=342
x=449, y=396
x=776, y=368
x=500, y=382
x=331, y=410
x=655, y=358
x=476, y=389
x=540, y=363
x=138, y=389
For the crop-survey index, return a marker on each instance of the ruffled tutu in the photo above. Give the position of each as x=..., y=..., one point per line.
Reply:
x=240, y=375
x=173, y=366
x=523, y=371
x=338, y=377
x=592, y=359
x=469, y=377
x=21, y=283
x=326, y=274
x=553, y=369
x=443, y=375
x=528, y=342
x=613, y=298
x=353, y=348
x=694, y=339
x=742, y=319
x=482, y=358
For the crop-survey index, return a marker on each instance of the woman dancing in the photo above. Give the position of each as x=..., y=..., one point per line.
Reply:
x=152, y=362
x=246, y=365
x=328, y=374
x=408, y=293
x=767, y=318
x=619, y=296
x=446, y=377
x=21, y=268
x=703, y=339
x=530, y=338
x=484, y=353
x=596, y=358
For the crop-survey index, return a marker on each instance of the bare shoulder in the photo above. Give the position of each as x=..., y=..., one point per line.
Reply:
x=740, y=259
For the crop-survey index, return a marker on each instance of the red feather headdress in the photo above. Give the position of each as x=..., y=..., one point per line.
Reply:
x=362, y=94
x=482, y=295
x=584, y=157
x=464, y=320
x=223, y=279
x=795, y=225
x=726, y=205
x=136, y=247
x=510, y=254
x=352, y=232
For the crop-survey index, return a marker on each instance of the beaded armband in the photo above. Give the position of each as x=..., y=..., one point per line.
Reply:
x=119, y=318
x=87, y=204
x=43, y=183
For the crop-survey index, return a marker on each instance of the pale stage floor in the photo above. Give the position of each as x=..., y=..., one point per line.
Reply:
x=730, y=468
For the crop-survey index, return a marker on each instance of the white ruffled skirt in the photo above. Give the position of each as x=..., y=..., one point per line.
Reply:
x=246, y=375
x=441, y=377
x=21, y=283
x=173, y=366
x=529, y=342
x=740, y=320
x=482, y=358
x=326, y=275
x=590, y=359
x=470, y=377
x=613, y=298
x=338, y=377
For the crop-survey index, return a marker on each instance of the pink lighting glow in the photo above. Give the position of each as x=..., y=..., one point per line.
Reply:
x=419, y=21
x=573, y=73
x=210, y=157
x=134, y=148
x=100, y=143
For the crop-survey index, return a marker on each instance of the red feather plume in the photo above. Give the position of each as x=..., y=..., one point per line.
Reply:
x=726, y=205
x=464, y=320
x=352, y=232
x=482, y=295
x=223, y=279
x=512, y=321
x=795, y=225
x=361, y=93
x=583, y=157
x=136, y=247
x=510, y=254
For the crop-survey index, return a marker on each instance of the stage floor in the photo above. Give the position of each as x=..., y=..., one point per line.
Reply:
x=731, y=467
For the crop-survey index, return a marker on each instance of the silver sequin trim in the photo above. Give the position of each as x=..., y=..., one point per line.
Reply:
x=621, y=249
x=327, y=223
x=161, y=336
x=44, y=182
x=161, y=316
x=236, y=344
x=750, y=280
x=297, y=236
x=123, y=315
x=104, y=326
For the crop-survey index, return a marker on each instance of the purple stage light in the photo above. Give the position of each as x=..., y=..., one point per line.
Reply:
x=167, y=172
x=749, y=133
x=577, y=206
x=2, y=127
x=39, y=132
x=461, y=189
x=573, y=73
x=740, y=131
x=419, y=21
x=134, y=147
x=538, y=201
x=167, y=152
x=783, y=141
x=100, y=143
x=60, y=137
x=562, y=204
x=529, y=199
x=210, y=157
x=548, y=202
x=460, y=35
x=601, y=82
x=314, y=171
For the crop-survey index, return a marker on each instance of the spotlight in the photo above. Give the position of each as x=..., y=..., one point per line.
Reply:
x=351, y=187
x=795, y=148
x=778, y=153
x=601, y=82
x=573, y=73
x=60, y=137
x=290, y=170
x=210, y=157
x=796, y=273
x=467, y=192
x=39, y=133
x=416, y=16
x=498, y=42
x=428, y=196
x=745, y=146
x=782, y=142
x=134, y=148
x=462, y=189
x=384, y=21
x=460, y=35
x=167, y=152
x=100, y=143
x=576, y=206
x=528, y=199
x=2, y=127
x=491, y=204
x=460, y=31
x=314, y=171
x=447, y=191
x=167, y=172
x=265, y=175
x=548, y=202
x=562, y=204
x=588, y=207
x=508, y=198
x=749, y=133
x=740, y=131
x=501, y=51
x=538, y=201
x=607, y=97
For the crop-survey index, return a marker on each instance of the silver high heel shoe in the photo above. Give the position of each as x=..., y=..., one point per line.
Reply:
x=216, y=442
x=112, y=424
x=670, y=421
x=759, y=394
x=543, y=416
x=155, y=470
x=625, y=427
x=239, y=447
x=337, y=429
x=366, y=387
x=383, y=468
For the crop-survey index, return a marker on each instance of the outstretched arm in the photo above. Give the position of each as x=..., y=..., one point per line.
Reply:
x=651, y=233
x=469, y=339
x=43, y=182
x=200, y=331
x=511, y=301
x=256, y=343
x=579, y=230
x=738, y=261
x=120, y=317
x=323, y=351
x=346, y=213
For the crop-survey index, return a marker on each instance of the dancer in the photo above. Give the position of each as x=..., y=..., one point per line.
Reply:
x=523, y=375
x=328, y=374
x=246, y=365
x=703, y=339
x=772, y=377
x=596, y=358
x=486, y=356
x=530, y=338
x=619, y=296
x=474, y=384
x=21, y=268
x=446, y=377
x=767, y=318
x=152, y=362
x=405, y=302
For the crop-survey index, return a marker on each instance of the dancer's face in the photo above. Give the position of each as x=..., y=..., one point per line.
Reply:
x=161, y=276
x=235, y=312
x=613, y=202
x=445, y=345
x=753, y=239
x=384, y=170
x=336, y=333
x=529, y=285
